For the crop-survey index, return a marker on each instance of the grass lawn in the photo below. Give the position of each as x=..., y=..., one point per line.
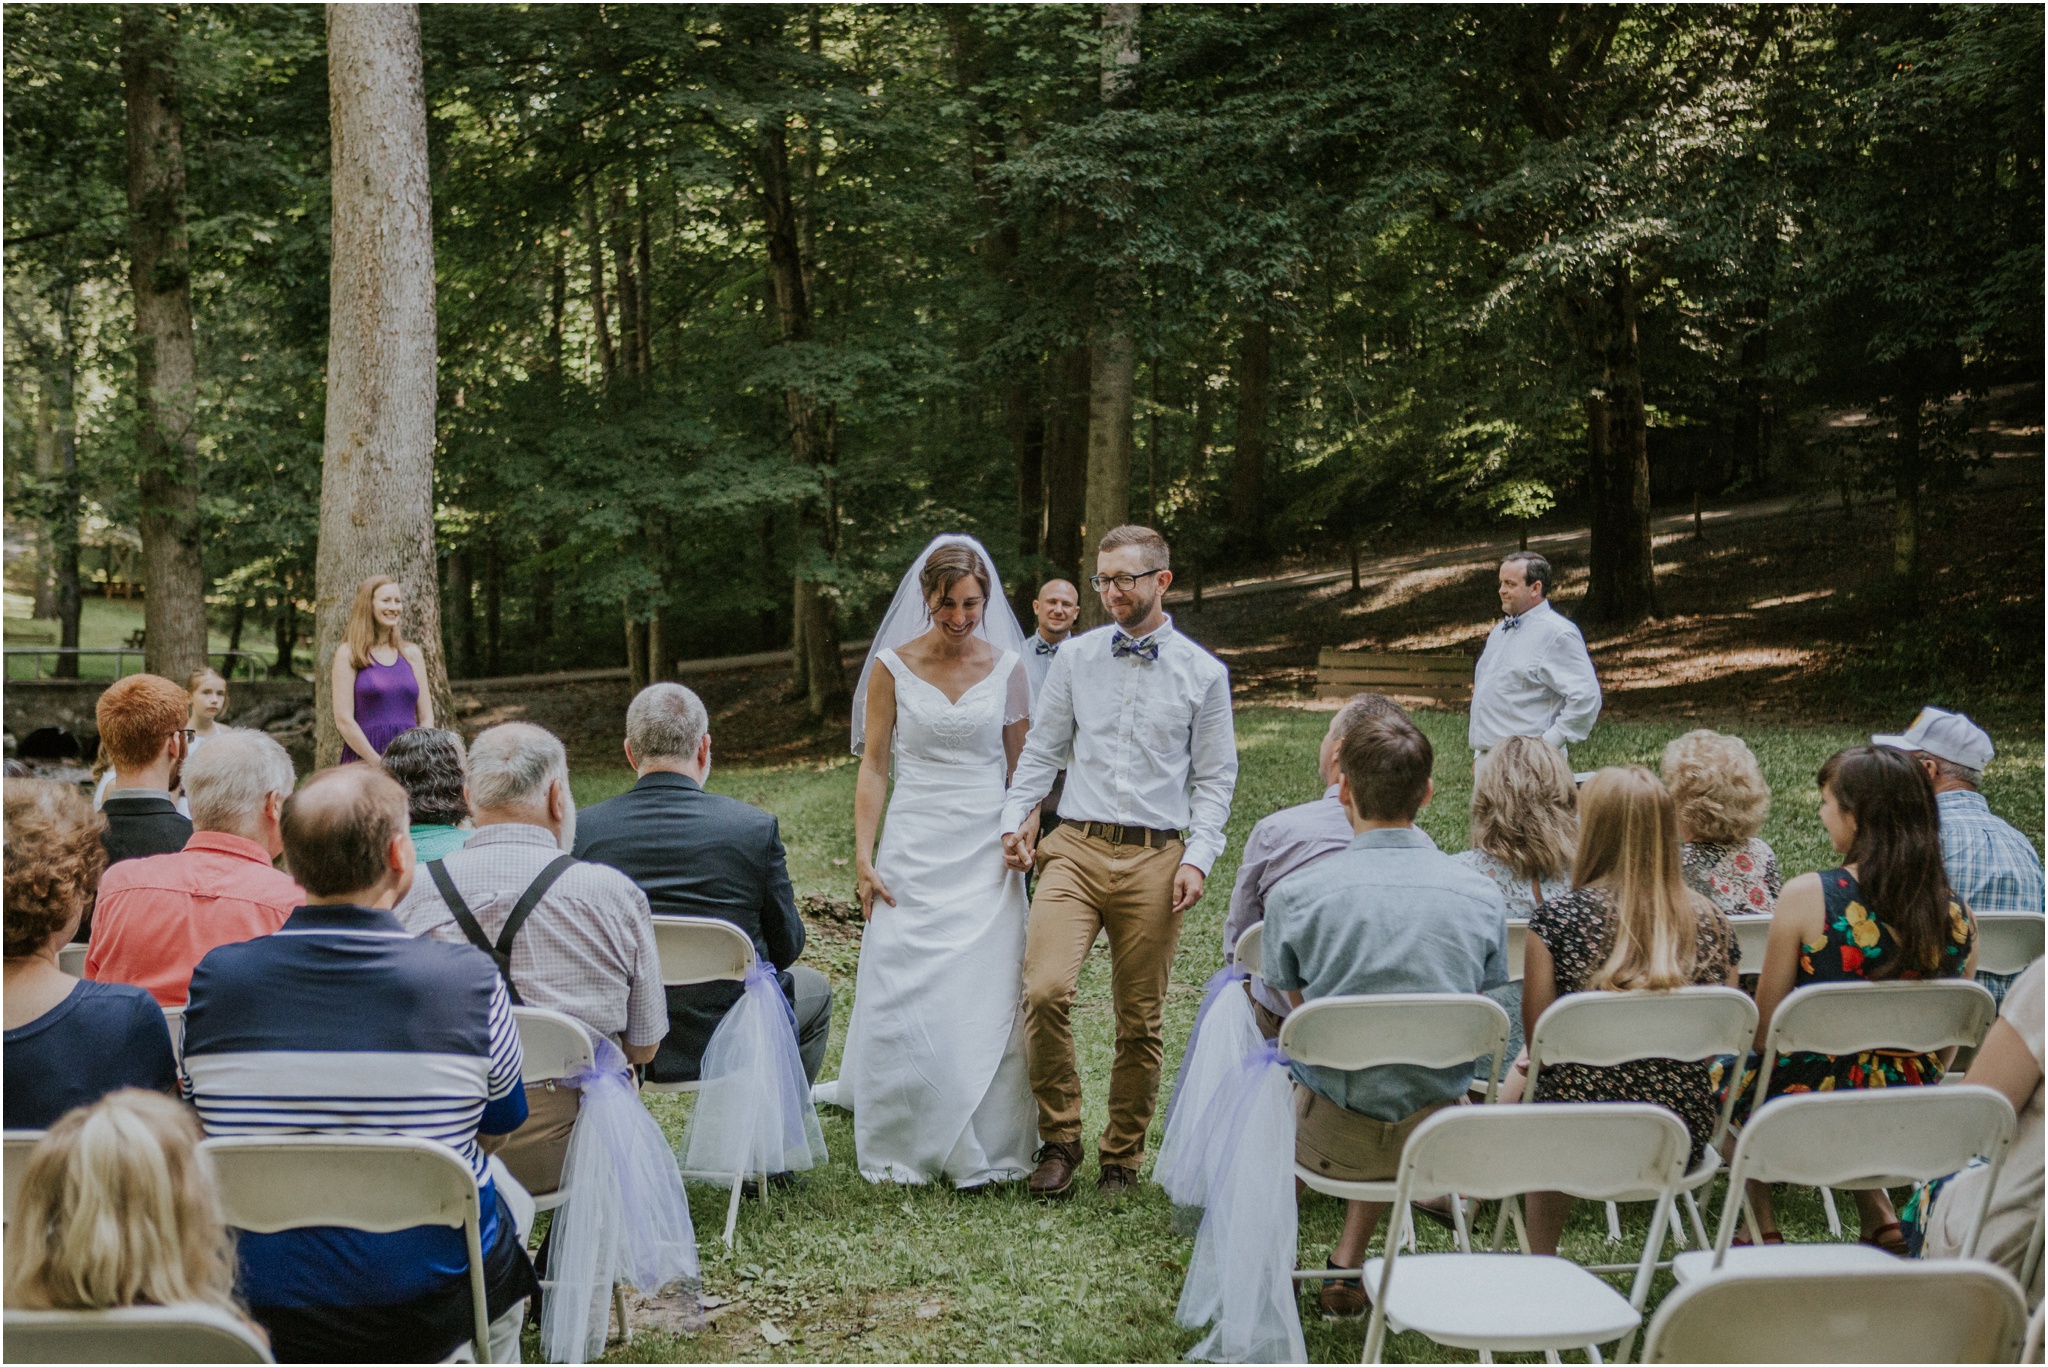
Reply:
x=102, y=622
x=852, y=1271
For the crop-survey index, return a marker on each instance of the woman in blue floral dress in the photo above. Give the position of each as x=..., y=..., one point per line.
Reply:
x=1886, y=914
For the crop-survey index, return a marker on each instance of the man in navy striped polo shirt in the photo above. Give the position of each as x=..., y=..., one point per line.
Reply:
x=341, y=1023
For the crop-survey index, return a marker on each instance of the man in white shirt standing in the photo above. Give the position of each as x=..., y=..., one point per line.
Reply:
x=1057, y=605
x=1535, y=678
x=1139, y=716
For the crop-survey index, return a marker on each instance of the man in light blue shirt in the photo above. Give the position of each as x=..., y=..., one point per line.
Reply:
x=1990, y=865
x=1391, y=913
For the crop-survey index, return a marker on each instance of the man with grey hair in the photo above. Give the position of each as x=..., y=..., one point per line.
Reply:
x=700, y=854
x=566, y=935
x=158, y=916
x=1292, y=839
x=1990, y=865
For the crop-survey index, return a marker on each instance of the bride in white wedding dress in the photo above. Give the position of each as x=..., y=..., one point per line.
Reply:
x=933, y=1069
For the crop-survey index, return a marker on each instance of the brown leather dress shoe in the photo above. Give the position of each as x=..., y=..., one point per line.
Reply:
x=1115, y=1181
x=1345, y=1300
x=1054, y=1178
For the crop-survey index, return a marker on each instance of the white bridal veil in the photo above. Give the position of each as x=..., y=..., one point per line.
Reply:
x=908, y=618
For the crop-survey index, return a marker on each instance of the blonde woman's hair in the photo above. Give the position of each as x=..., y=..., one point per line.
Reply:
x=364, y=630
x=1718, y=785
x=1525, y=808
x=1629, y=848
x=118, y=1207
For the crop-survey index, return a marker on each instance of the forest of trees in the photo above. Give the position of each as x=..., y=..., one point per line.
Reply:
x=737, y=305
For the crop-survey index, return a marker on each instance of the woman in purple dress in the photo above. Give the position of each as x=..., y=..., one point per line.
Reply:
x=378, y=674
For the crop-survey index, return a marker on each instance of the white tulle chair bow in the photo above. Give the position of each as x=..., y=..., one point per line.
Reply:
x=1225, y=1033
x=629, y=1219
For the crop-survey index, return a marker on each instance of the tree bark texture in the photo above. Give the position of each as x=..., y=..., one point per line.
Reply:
x=284, y=635
x=377, y=475
x=62, y=382
x=166, y=360
x=1112, y=358
x=1066, y=459
x=817, y=634
x=1623, y=582
x=1248, y=466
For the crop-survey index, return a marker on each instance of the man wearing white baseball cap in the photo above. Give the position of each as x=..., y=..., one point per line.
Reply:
x=1990, y=865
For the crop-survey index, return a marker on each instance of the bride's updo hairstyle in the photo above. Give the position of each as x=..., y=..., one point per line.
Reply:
x=947, y=566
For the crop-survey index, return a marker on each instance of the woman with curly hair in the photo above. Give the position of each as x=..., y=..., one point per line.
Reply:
x=117, y=1208
x=1722, y=802
x=68, y=1042
x=428, y=763
x=1886, y=913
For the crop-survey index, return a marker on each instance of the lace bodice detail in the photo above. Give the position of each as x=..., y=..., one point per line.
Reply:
x=970, y=731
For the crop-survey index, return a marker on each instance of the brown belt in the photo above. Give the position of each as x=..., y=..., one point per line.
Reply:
x=1150, y=838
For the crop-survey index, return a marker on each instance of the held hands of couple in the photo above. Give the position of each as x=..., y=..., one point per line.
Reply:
x=1020, y=847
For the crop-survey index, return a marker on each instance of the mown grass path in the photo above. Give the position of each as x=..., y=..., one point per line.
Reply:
x=848, y=1271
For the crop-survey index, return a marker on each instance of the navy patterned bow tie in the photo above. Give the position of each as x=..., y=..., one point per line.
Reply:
x=1121, y=645
x=1510, y=623
x=1043, y=646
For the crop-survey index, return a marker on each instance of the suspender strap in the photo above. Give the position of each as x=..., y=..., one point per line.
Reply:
x=501, y=952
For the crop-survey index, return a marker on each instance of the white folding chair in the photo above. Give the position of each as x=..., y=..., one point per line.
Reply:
x=71, y=958
x=136, y=1333
x=2007, y=941
x=704, y=949
x=1691, y=1024
x=1899, y=1311
x=1524, y=1302
x=1422, y=1029
x=1250, y=948
x=1861, y=1140
x=552, y=1047
x=1850, y=1018
x=2032, y=1351
x=1752, y=934
x=15, y=1148
x=174, y=1020
x=1518, y=939
x=376, y=1183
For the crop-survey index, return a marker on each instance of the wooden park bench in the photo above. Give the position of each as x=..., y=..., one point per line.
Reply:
x=1442, y=678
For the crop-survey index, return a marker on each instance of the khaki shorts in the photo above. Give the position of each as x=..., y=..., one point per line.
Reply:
x=1346, y=1146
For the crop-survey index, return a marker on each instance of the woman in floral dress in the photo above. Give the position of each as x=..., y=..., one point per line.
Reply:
x=1628, y=925
x=1722, y=802
x=1886, y=914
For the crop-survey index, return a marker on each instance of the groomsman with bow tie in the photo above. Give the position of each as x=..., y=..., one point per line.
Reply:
x=1057, y=605
x=1139, y=717
x=1535, y=677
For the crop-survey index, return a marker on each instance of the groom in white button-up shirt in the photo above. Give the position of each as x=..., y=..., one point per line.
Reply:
x=1139, y=717
x=1535, y=678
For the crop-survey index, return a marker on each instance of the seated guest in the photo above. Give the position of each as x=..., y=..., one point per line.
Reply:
x=1629, y=924
x=427, y=762
x=1722, y=802
x=116, y=1208
x=1294, y=838
x=142, y=729
x=698, y=854
x=2009, y=1062
x=1525, y=827
x=68, y=1042
x=1990, y=865
x=585, y=946
x=1887, y=913
x=412, y=1037
x=157, y=917
x=1388, y=914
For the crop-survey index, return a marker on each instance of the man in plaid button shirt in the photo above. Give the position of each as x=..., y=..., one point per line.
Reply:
x=1990, y=865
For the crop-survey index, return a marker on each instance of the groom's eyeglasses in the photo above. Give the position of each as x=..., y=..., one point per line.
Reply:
x=1126, y=582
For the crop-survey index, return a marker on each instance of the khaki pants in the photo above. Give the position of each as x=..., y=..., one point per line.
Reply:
x=1086, y=885
x=534, y=1152
x=1347, y=1146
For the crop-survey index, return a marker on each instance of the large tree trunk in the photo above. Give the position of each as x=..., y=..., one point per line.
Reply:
x=166, y=363
x=817, y=634
x=1623, y=586
x=1066, y=459
x=1248, y=467
x=70, y=494
x=377, y=476
x=621, y=224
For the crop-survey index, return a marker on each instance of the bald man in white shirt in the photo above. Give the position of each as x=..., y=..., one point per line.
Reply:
x=1139, y=717
x=1535, y=678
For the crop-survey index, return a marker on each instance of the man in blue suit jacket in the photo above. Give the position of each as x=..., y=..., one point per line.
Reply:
x=700, y=854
